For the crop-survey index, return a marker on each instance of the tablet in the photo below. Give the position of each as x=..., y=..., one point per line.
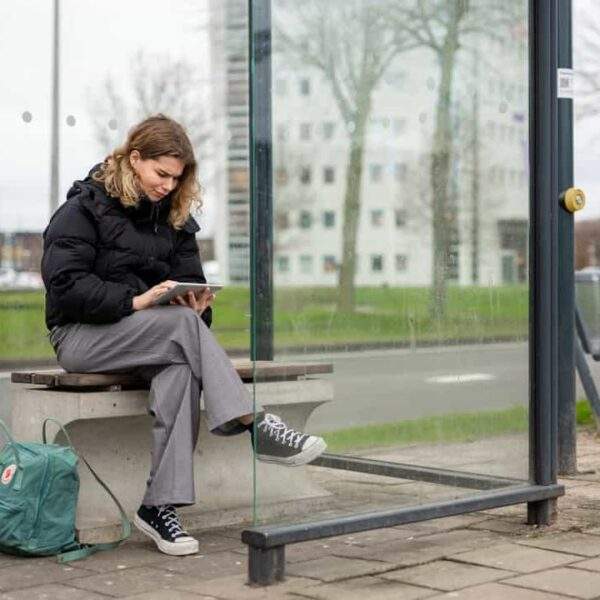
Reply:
x=180, y=289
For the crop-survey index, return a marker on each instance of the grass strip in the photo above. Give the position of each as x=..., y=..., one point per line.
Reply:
x=307, y=317
x=457, y=427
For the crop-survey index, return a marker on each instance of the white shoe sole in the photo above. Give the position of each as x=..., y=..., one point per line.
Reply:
x=172, y=548
x=304, y=457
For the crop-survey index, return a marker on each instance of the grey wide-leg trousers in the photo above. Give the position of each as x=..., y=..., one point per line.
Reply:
x=172, y=347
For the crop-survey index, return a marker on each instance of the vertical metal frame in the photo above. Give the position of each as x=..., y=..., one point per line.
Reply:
x=567, y=426
x=543, y=346
x=267, y=544
x=261, y=180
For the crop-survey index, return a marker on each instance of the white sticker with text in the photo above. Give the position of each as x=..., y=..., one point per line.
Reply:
x=565, y=83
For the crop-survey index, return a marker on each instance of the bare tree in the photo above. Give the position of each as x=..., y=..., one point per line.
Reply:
x=158, y=84
x=445, y=27
x=352, y=45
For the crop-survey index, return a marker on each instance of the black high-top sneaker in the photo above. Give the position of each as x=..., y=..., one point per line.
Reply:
x=278, y=443
x=161, y=523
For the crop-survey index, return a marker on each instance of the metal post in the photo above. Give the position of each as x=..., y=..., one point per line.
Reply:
x=55, y=145
x=266, y=565
x=543, y=40
x=567, y=433
x=261, y=180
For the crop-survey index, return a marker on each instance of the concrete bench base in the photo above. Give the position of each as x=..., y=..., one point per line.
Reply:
x=113, y=431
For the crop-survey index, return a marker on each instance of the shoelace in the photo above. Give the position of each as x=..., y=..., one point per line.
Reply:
x=276, y=427
x=169, y=515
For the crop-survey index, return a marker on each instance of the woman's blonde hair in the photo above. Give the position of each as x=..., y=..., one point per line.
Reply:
x=155, y=136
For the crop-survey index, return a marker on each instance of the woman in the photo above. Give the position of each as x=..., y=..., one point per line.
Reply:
x=121, y=239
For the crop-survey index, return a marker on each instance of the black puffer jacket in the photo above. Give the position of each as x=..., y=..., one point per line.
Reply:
x=99, y=254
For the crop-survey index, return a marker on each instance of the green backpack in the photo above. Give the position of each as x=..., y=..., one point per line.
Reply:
x=39, y=485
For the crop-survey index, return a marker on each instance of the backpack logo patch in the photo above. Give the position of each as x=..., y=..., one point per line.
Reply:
x=8, y=474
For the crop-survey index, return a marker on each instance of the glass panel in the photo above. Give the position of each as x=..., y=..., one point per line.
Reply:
x=400, y=224
x=24, y=127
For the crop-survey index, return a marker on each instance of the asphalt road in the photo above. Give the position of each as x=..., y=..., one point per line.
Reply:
x=393, y=385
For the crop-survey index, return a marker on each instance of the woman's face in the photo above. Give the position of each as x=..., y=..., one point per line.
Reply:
x=157, y=176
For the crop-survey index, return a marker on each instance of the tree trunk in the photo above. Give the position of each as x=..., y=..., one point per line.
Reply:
x=352, y=193
x=440, y=169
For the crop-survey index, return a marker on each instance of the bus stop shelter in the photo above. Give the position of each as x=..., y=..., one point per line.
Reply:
x=282, y=51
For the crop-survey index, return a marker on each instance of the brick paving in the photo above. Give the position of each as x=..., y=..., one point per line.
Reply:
x=491, y=555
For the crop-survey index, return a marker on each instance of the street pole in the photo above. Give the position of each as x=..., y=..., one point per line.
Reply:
x=55, y=146
x=567, y=434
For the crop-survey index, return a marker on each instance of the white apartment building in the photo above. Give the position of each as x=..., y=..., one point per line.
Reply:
x=394, y=244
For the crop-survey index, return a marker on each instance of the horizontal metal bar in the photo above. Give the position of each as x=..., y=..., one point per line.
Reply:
x=463, y=479
x=273, y=535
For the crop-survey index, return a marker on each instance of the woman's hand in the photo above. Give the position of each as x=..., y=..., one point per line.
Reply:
x=198, y=303
x=149, y=298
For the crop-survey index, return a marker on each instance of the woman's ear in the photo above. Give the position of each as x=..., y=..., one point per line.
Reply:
x=134, y=157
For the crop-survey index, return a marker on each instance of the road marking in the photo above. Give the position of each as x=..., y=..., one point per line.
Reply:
x=462, y=378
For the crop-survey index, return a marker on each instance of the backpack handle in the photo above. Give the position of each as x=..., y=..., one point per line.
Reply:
x=61, y=428
x=11, y=443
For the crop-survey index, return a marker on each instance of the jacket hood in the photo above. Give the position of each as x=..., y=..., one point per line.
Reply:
x=146, y=210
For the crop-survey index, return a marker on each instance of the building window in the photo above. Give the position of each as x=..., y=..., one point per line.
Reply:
x=400, y=215
x=400, y=171
x=305, y=175
x=376, y=263
x=375, y=173
x=282, y=221
x=401, y=263
x=399, y=126
x=281, y=176
x=329, y=218
x=328, y=130
x=328, y=175
x=377, y=218
x=283, y=264
x=329, y=264
x=305, y=131
x=305, y=219
x=306, y=264
x=282, y=133
x=280, y=87
x=305, y=87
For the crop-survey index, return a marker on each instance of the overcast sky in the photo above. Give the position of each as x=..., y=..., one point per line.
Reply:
x=98, y=39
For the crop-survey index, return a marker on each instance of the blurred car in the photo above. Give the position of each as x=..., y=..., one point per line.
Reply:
x=7, y=277
x=29, y=280
x=13, y=279
x=211, y=271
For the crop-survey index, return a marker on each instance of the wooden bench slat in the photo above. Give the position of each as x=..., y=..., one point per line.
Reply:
x=97, y=379
x=263, y=371
x=49, y=379
x=20, y=377
x=265, y=368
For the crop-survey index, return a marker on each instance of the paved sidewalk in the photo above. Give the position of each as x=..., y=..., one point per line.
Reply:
x=482, y=556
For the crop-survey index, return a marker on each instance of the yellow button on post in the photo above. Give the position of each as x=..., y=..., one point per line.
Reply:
x=573, y=199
